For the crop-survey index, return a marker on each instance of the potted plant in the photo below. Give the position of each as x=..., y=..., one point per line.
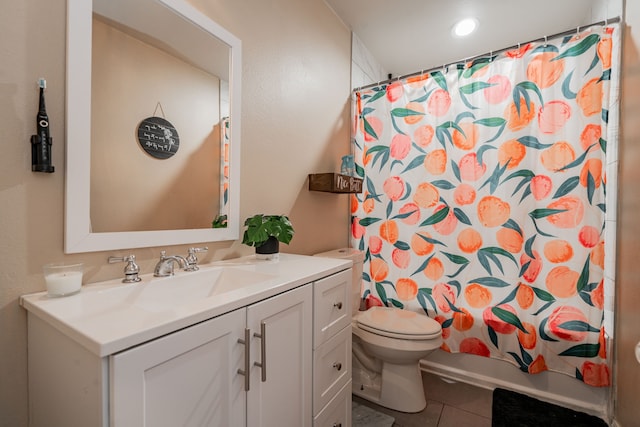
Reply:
x=265, y=232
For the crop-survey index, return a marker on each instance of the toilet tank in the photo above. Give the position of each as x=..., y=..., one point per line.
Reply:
x=356, y=283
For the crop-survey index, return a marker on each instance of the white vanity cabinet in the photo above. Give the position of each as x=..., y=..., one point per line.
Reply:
x=191, y=377
x=277, y=353
x=332, y=351
x=188, y=378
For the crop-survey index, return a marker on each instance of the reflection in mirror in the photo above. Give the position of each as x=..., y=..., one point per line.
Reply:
x=162, y=164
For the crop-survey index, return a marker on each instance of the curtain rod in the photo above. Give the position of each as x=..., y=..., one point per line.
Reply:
x=564, y=33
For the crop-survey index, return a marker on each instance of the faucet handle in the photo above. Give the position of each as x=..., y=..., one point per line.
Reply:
x=192, y=260
x=131, y=270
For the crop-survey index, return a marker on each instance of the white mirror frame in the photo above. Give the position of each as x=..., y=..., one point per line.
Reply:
x=78, y=234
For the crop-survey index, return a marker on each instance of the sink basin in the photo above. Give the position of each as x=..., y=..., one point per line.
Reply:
x=162, y=293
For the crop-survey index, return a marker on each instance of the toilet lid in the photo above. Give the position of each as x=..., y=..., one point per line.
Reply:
x=397, y=323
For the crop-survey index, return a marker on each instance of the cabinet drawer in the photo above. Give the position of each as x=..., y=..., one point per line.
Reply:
x=331, y=368
x=338, y=412
x=332, y=306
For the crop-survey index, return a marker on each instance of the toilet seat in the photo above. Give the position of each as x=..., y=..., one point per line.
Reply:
x=397, y=323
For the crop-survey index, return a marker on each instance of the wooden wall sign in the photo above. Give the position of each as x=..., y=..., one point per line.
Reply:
x=334, y=183
x=158, y=137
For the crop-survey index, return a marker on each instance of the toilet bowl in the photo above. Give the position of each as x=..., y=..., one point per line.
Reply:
x=388, y=344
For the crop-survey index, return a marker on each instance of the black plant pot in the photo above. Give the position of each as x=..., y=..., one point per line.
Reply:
x=271, y=246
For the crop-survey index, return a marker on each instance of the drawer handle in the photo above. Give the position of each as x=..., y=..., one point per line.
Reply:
x=263, y=351
x=337, y=365
x=247, y=350
x=337, y=424
x=338, y=305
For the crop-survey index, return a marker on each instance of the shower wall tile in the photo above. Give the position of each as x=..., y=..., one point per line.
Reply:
x=370, y=70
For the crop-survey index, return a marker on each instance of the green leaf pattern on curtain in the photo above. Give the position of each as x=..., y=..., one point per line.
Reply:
x=484, y=202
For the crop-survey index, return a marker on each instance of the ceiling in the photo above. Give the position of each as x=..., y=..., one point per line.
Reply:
x=407, y=36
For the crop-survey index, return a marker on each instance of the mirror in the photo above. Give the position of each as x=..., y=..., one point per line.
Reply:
x=129, y=183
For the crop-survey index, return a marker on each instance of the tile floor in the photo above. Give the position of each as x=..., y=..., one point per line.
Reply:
x=448, y=405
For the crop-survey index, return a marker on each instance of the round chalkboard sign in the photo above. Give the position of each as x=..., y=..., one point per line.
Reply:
x=158, y=137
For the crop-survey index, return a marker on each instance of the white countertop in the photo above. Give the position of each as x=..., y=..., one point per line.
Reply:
x=109, y=317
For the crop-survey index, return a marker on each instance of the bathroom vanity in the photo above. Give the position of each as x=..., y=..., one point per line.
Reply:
x=238, y=343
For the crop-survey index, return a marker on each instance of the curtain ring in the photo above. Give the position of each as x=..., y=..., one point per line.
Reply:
x=490, y=55
x=545, y=41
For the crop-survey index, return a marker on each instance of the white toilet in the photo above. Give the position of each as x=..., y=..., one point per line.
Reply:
x=388, y=344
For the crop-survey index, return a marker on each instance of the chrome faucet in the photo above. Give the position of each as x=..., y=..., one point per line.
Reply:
x=131, y=270
x=164, y=267
x=192, y=260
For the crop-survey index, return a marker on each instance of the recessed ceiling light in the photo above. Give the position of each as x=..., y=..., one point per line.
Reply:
x=465, y=27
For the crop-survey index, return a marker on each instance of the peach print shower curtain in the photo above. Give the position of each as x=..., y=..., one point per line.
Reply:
x=484, y=201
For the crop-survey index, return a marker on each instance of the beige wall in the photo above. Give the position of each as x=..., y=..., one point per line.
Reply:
x=130, y=189
x=295, y=121
x=628, y=270
x=296, y=82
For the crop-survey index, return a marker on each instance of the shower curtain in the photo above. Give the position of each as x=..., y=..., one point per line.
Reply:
x=483, y=202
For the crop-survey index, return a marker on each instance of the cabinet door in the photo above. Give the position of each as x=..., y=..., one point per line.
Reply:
x=188, y=378
x=280, y=389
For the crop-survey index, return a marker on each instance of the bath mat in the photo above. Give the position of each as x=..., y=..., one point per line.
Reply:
x=514, y=409
x=363, y=416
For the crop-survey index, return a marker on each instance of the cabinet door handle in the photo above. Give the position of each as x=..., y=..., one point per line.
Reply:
x=338, y=305
x=337, y=365
x=263, y=350
x=337, y=424
x=247, y=357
